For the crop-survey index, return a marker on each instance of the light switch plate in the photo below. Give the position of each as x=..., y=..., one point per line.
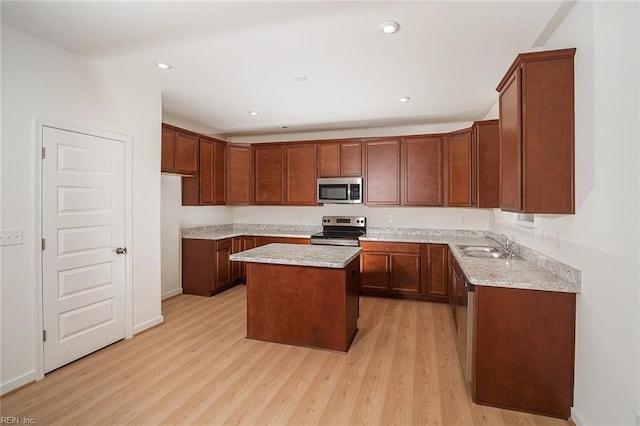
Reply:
x=9, y=237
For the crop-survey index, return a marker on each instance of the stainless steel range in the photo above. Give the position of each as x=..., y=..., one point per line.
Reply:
x=341, y=230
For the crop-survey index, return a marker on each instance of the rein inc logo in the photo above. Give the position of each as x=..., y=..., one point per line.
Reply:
x=6, y=420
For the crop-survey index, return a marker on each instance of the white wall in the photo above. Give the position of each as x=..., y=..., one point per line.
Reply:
x=173, y=217
x=41, y=81
x=401, y=217
x=601, y=239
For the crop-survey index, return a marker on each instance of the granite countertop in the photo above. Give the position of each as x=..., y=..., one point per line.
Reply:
x=531, y=270
x=299, y=255
x=214, y=233
x=511, y=273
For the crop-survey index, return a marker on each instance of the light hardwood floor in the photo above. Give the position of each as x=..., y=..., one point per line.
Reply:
x=198, y=368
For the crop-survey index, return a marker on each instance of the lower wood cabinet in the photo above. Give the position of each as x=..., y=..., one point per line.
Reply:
x=206, y=268
x=523, y=350
x=409, y=270
x=261, y=241
x=239, y=269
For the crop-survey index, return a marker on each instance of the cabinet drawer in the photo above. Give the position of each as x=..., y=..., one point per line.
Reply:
x=409, y=248
x=223, y=244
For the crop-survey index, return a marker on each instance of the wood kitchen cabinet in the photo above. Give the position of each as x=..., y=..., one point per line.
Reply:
x=269, y=173
x=340, y=159
x=408, y=270
x=435, y=261
x=209, y=187
x=461, y=183
x=390, y=268
x=238, y=269
x=261, y=241
x=537, y=128
x=206, y=268
x=486, y=136
x=239, y=174
x=300, y=181
x=454, y=281
x=382, y=172
x=422, y=171
x=179, y=151
x=523, y=350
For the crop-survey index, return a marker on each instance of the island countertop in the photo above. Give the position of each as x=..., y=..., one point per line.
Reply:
x=300, y=255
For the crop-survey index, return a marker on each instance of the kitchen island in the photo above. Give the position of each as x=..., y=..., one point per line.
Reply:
x=302, y=295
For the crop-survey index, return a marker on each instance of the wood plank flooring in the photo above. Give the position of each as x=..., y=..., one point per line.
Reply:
x=198, y=368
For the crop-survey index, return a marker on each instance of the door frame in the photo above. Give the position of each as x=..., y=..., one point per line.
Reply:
x=128, y=221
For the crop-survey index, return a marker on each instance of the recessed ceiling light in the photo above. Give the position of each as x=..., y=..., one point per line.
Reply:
x=254, y=113
x=389, y=27
x=404, y=99
x=300, y=77
x=163, y=65
x=285, y=127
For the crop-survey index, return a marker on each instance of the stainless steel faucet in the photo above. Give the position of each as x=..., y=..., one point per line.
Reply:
x=509, y=245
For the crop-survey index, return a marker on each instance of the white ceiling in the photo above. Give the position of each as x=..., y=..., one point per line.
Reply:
x=238, y=56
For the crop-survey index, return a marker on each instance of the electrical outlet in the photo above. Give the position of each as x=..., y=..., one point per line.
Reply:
x=539, y=234
x=390, y=218
x=9, y=237
x=557, y=239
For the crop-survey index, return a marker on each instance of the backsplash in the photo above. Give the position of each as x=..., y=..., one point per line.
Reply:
x=426, y=231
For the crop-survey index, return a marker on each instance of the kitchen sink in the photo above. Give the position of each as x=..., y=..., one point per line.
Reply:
x=489, y=252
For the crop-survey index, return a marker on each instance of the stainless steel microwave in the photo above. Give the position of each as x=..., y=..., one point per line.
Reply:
x=340, y=190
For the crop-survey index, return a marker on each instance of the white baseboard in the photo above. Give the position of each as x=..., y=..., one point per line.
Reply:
x=171, y=293
x=31, y=376
x=576, y=417
x=148, y=324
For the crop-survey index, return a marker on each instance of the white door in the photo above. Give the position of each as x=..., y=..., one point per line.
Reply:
x=83, y=228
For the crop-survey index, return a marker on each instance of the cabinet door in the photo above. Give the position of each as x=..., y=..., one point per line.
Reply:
x=236, y=267
x=223, y=264
x=510, y=145
x=382, y=173
x=405, y=273
x=460, y=160
x=269, y=174
x=487, y=141
x=436, y=274
x=374, y=271
x=198, y=267
x=168, y=161
x=300, y=174
x=247, y=243
x=239, y=174
x=451, y=284
x=351, y=159
x=422, y=171
x=329, y=159
x=219, y=173
x=206, y=176
x=186, y=153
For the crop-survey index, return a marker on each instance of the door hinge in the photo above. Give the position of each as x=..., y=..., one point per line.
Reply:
x=43, y=244
x=44, y=152
x=44, y=335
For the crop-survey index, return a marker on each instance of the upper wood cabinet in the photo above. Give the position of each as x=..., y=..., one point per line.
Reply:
x=537, y=130
x=239, y=174
x=422, y=171
x=179, y=152
x=339, y=159
x=209, y=187
x=269, y=174
x=382, y=172
x=300, y=181
x=460, y=169
x=486, y=135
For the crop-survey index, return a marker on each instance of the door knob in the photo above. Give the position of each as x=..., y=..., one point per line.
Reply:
x=121, y=250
